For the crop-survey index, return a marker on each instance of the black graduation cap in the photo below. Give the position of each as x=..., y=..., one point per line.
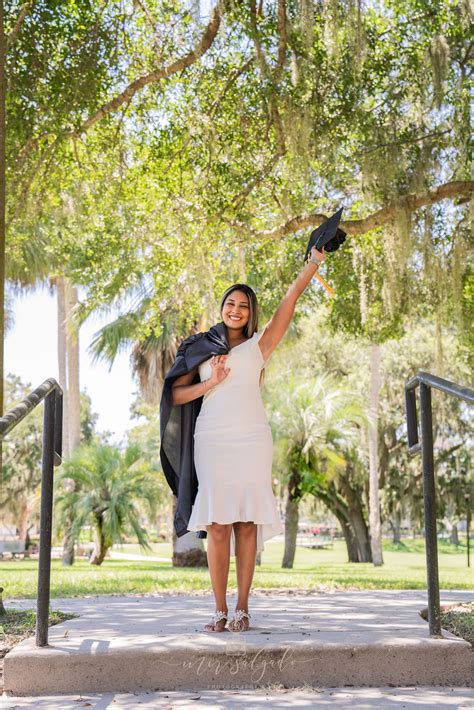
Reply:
x=327, y=235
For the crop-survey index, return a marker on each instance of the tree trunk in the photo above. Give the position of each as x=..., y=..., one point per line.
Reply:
x=291, y=519
x=374, y=503
x=349, y=537
x=98, y=555
x=158, y=524
x=188, y=550
x=3, y=611
x=100, y=549
x=23, y=516
x=354, y=514
x=397, y=524
x=361, y=533
x=454, y=535
x=68, y=539
x=23, y=520
x=61, y=285
x=62, y=357
x=68, y=362
x=355, y=534
x=3, y=89
x=352, y=522
x=439, y=355
x=72, y=344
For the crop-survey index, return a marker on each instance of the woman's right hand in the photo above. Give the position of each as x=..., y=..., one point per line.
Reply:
x=219, y=370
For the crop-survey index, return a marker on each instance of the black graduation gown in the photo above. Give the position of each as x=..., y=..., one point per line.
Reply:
x=177, y=422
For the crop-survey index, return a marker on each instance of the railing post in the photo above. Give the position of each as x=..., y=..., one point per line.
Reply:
x=431, y=540
x=468, y=525
x=58, y=427
x=412, y=421
x=46, y=519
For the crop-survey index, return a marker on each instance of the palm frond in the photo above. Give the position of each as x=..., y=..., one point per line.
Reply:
x=114, y=338
x=111, y=487
x=151, y=359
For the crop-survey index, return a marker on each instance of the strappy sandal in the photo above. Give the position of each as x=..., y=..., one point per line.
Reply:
x=237, y=623
x=216, y=617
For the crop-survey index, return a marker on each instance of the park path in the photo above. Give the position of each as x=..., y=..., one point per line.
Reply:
x=386, y=698
x=155, y=642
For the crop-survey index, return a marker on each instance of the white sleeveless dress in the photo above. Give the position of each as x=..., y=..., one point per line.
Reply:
x=233, y=449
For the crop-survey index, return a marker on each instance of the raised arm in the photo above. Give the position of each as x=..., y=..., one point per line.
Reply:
x=278, y=324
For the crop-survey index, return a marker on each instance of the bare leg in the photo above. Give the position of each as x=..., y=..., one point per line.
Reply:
x=218, y=558
x=245, y=554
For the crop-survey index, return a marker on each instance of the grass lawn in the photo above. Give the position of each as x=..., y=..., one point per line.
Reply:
x=404, y=568
x=17, y=625
x=459, y=620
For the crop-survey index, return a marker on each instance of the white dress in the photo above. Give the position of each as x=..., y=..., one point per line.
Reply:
x=233, y=449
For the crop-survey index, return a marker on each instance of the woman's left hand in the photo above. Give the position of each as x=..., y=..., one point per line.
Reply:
x=317, y=255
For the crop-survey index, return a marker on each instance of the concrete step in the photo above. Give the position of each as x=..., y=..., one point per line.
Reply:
x=121, y=644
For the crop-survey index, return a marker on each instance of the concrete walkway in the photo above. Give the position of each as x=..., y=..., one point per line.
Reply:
x=411, y=698
x=156, y=643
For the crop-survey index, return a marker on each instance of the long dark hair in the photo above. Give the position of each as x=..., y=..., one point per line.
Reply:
x=252, y=324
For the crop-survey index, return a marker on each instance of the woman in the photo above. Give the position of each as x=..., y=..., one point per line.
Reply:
x=233, y=444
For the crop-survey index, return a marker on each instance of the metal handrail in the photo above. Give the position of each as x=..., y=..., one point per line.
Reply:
x=52, y=394
x=427, y=381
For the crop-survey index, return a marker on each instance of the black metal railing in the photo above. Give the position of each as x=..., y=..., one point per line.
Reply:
x=52, y=394
x=426, y=383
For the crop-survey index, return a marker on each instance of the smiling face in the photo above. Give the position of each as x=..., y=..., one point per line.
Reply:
x=236, y=311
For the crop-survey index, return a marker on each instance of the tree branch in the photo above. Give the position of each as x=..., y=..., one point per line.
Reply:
x=456, y=188
x=17, y=26
x=125, y=96
x=232, y=78
x=282, y=36
x=434, y=134
x=163, y=73
x=146, y=12
x=266, y=73
x=256, y=180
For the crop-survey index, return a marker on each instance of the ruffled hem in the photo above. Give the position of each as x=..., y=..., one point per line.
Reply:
x=262, y=511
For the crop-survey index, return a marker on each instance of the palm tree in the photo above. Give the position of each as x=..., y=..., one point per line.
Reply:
x=315, y=423
x=108, y=493
x=151, y=357
x=32, y=267
x=374, y=505
x=68, y=367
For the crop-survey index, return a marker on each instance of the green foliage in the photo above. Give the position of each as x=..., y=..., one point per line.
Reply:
x=146, y=436
x=459, y=619
x=466, y=335
x=318, y=570
x=21, y=458
x=108, y=489
x=22, y=448
x=318, y=422
x=59, y=68
x=319, y=417
x=319, y=355
x=162, y=197
x=19, y=624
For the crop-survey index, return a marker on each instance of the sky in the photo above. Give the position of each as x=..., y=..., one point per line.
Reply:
x=31, y=353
